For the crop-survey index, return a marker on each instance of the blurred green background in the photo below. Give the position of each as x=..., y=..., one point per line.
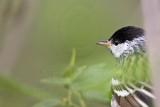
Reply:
x=51, y=32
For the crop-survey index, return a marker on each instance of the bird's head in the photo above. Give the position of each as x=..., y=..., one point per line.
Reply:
x=125, y=41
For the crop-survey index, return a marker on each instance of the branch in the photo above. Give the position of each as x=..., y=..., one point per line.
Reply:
x=18, y=21
x=151, y=13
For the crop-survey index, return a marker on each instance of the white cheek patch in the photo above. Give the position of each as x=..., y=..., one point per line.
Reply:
x=127, y=47
x=119, y=49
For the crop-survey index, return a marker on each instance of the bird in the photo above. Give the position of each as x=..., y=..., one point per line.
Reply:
x=131, y=84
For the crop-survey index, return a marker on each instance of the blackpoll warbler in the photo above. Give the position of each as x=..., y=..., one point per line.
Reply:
x=131, y=85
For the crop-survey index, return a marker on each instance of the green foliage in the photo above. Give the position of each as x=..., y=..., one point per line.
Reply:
x=13, y=87
x=81, y=83
x=48, y=103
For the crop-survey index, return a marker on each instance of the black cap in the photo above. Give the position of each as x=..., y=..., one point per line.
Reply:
x=126, y=33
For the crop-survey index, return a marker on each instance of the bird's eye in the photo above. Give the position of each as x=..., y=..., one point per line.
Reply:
x=116, y=43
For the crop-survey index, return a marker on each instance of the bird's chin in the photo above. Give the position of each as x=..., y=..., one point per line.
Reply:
x=116, y=55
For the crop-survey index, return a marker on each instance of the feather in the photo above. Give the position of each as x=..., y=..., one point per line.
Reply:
x=131, y=83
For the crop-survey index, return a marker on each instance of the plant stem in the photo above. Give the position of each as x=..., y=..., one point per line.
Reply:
x=81, y=100
x=70, y=103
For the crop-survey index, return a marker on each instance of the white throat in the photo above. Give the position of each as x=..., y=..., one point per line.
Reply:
x=128, y=47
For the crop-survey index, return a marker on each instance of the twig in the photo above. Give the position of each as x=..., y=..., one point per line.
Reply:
x=16, y=32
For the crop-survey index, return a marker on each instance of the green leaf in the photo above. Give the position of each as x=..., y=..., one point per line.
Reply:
x=71, y=68
x=94, y=82
x=92, y=76
x=73, y=58
x=48, y=103
x=56, y=81
x=96, y=96
x=69, y=72
x=10, y=86
x=78, y=72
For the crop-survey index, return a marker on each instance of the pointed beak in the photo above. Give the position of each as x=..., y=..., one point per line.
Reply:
x=104, y=43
